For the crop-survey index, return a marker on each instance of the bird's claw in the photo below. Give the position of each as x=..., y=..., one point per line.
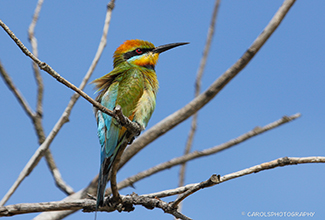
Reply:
x=141, y=128
x=131, y=141
x=91, y=196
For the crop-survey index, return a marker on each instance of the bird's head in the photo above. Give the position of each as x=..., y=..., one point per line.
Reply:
x=140, y=52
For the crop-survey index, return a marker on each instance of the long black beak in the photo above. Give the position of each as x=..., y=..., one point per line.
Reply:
x=166, y=47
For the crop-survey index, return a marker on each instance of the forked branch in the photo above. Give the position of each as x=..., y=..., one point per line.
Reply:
x=196, y=104
x=64, y=118
x=151, y=201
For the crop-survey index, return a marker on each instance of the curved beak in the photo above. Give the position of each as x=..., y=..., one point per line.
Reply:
x=166, y=47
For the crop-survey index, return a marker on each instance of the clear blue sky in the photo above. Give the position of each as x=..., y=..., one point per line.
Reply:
x=285, y=77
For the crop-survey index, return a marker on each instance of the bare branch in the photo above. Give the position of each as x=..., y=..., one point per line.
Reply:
x=92, y=187
x=23, y=208
x=214, y=179
x=37, y=119
x=197, y=154
x=199, y=75
x=60, y=183
x=24, y=104
x=64, y=118
x=33, y=42
x=132, y=127
x=148, y=200
x=196, y=104
x=285, y=161
x=89, y=206
x=170, y=192
x=38, y=128
x=206, y=48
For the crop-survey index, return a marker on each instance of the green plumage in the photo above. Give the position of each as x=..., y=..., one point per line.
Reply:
x=133, y=85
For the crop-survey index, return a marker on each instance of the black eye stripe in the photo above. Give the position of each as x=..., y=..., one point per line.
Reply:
x=133, y=53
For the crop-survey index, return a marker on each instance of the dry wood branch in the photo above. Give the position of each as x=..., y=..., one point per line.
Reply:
x=33, y=42
x=170, y=192
x=179, y=116
x=132, y=127
x=65, y=116
x=60, y=183
x=285, y=161
x=148, y=200
x=37, y=119
x=89, y=206
x=213, y=180
x=37, y=125
x=197, y=103
x=92, y=187
x=197, y=154
x=24, y=104
x=23, y=208
x=199, y=75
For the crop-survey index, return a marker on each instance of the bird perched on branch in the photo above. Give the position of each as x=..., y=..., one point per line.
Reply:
x=133, y=85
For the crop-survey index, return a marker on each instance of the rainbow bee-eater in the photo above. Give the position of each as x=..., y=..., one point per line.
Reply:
x=133, y=85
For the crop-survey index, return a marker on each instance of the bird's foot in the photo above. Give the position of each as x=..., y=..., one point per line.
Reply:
x=92, y=197
x=141, y=128
x=131, y=141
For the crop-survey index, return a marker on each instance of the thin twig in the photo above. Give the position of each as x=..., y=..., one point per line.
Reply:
x=33, y=42
x=199, y=75
x=196, y=104
x=131, y=126
x=148, y=200
x=214, y=179
x=285, y=161
x=59, y=182
x=64, y=118
x=197, y=154
x=24, y=104
x=37, y=119
x=180, y=115
x=23, y=208
x=170, y=192
x=88, y=205
x=92, y=187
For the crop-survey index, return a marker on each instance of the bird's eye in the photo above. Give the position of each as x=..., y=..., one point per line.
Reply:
x=138, y=51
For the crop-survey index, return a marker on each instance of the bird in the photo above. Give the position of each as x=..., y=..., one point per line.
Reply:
x=133, y=85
